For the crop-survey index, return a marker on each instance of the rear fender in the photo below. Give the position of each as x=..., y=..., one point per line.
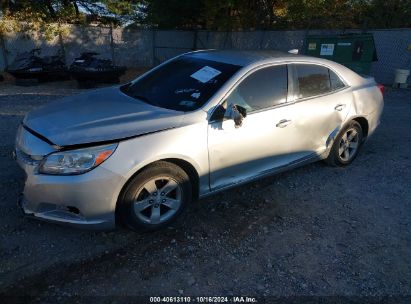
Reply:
x=368, y=98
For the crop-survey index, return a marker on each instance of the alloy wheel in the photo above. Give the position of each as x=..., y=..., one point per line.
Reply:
x=158, y=200
x=349, y=144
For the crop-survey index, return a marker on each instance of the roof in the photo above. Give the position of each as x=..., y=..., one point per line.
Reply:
x=240, y=57
x=249, y=58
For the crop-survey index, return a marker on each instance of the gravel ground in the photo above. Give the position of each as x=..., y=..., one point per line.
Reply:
x=316, y=231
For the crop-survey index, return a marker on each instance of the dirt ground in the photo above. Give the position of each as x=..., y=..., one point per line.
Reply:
x=314, y=233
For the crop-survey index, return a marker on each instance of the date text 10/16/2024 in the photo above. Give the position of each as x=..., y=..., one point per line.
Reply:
x=187, y=299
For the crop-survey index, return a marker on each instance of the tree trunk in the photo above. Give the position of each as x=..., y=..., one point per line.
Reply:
x=76, y=8
x=51, y=9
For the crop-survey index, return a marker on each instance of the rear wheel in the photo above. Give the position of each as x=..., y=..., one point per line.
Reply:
x=155, y=197
x=346, y=145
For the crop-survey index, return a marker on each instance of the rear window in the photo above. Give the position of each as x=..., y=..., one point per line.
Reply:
x=184, y=84
x=313, y=80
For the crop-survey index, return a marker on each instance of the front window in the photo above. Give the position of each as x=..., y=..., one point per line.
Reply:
x=263, y=89
x=184, y=84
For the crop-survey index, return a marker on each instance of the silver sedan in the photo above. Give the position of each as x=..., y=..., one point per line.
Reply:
x=197, y=124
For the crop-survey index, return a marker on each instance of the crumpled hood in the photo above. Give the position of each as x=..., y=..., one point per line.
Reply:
x=101, y=115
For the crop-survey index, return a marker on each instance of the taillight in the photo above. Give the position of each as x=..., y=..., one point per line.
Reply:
x=382, y=88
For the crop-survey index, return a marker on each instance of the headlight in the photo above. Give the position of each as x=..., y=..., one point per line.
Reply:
x=76, y=161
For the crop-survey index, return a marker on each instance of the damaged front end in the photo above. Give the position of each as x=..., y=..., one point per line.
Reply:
x=67, y=199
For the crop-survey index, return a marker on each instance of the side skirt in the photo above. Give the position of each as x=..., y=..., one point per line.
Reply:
x=295, y=164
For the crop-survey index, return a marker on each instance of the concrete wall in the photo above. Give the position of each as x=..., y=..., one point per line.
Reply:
x=137, y=48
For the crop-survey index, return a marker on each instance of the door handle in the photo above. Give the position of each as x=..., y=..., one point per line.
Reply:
x=283, y=123
x=339, y=107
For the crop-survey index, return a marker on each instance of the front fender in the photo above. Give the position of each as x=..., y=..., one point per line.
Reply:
x=188, y=143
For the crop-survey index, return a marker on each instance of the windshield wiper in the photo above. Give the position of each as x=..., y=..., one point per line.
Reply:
x=143, y=98
x=126, y=90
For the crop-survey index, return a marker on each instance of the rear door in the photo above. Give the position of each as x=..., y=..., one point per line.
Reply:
x=322, y=102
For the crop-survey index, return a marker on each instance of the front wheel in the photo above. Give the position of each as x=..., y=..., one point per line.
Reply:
x=155, y=197
x=346, y=145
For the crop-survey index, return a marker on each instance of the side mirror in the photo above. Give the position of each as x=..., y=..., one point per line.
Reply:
x=237, y=113
x=218, y=114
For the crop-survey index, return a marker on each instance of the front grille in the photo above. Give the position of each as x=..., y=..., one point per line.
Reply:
x=25, y=158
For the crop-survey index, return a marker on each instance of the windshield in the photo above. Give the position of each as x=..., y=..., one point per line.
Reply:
x=184, y=84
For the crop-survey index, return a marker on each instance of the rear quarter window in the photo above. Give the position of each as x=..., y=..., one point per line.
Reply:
x=336, y=82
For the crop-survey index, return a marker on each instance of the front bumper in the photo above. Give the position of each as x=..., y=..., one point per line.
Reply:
x=65, y=217
x=86, y=201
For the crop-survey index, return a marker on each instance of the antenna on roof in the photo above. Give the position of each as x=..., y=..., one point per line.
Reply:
x=293, y=51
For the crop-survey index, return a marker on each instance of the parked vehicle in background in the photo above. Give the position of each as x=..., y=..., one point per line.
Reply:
x=30, y=65
x=88, y=69
x=200, y=123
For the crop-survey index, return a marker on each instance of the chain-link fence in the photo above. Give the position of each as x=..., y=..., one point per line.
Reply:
x=145, y=48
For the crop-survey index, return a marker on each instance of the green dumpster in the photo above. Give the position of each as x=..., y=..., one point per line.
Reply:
x=355, y=51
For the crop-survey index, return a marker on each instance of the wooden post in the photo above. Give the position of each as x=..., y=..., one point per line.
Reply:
x=153, y=38
x=112, y=43
x=195, y=36
x=62, y=48
x=4, y=52
x=262, y=39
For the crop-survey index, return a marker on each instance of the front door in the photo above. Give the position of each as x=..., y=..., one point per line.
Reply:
x=266, y=140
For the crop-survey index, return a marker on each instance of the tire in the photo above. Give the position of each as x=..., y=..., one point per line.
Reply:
x=346, y=145
x=155, y=197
